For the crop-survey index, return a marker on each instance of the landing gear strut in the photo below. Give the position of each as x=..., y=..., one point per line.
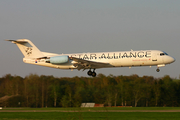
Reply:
x=90, y=73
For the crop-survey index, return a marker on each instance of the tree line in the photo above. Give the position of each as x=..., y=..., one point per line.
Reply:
x=49, y=91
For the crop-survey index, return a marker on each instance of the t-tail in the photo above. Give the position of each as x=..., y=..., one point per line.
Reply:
x=28, y=49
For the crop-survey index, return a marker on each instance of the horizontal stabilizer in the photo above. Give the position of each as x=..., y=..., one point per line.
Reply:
x=15, y=41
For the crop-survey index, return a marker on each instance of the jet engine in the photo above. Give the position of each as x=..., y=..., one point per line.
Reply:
x=59, y=59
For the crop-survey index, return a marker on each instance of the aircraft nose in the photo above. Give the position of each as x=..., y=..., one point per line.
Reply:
x=171, y=59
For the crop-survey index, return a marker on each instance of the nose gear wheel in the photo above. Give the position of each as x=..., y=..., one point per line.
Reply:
x=157, y=69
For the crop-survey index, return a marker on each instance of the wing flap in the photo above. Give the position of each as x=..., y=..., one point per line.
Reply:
x=86, y=64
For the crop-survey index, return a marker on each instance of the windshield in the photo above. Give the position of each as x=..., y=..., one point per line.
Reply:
x=164, y=53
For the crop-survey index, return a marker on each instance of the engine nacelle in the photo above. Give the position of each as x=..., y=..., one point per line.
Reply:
x=59, y=59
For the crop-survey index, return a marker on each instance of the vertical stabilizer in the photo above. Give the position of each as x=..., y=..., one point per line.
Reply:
x=28, y=49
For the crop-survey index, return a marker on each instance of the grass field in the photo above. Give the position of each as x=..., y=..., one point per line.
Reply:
x=96, y=108
x=139, y=113
x=89, y=116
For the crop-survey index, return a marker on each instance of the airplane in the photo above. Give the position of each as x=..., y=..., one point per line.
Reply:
x=92, y=61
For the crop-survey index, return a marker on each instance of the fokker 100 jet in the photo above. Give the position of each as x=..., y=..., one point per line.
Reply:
x=92, y=61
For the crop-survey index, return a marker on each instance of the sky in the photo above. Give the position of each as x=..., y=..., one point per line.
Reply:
x=75, y=26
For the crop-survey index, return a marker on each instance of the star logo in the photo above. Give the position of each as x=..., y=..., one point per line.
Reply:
x=28, y=51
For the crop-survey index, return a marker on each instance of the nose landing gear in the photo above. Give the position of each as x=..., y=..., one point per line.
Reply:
x=157, y=69
x=90, y=73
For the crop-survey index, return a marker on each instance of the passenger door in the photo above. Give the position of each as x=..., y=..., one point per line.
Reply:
x=154, y=57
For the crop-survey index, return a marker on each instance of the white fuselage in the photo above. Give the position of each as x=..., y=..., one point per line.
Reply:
x=92, y=61
x=115, y=59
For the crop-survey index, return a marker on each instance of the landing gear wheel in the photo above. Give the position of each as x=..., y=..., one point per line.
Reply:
x=157, y=69
x=89, y=73
x=93, y=74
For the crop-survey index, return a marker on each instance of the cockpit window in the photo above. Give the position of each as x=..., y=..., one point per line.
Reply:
x=164, y=53
x=161, y=54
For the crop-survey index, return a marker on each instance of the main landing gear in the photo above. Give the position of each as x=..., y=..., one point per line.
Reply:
x=90, y=73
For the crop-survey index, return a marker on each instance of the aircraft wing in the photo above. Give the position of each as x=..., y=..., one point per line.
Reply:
x=86, y=64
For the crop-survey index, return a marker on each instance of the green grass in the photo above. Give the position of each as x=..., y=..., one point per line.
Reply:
x=88, y=116
x=103, y=108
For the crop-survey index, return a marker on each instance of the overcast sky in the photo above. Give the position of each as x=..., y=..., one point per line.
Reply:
x=74, y=26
